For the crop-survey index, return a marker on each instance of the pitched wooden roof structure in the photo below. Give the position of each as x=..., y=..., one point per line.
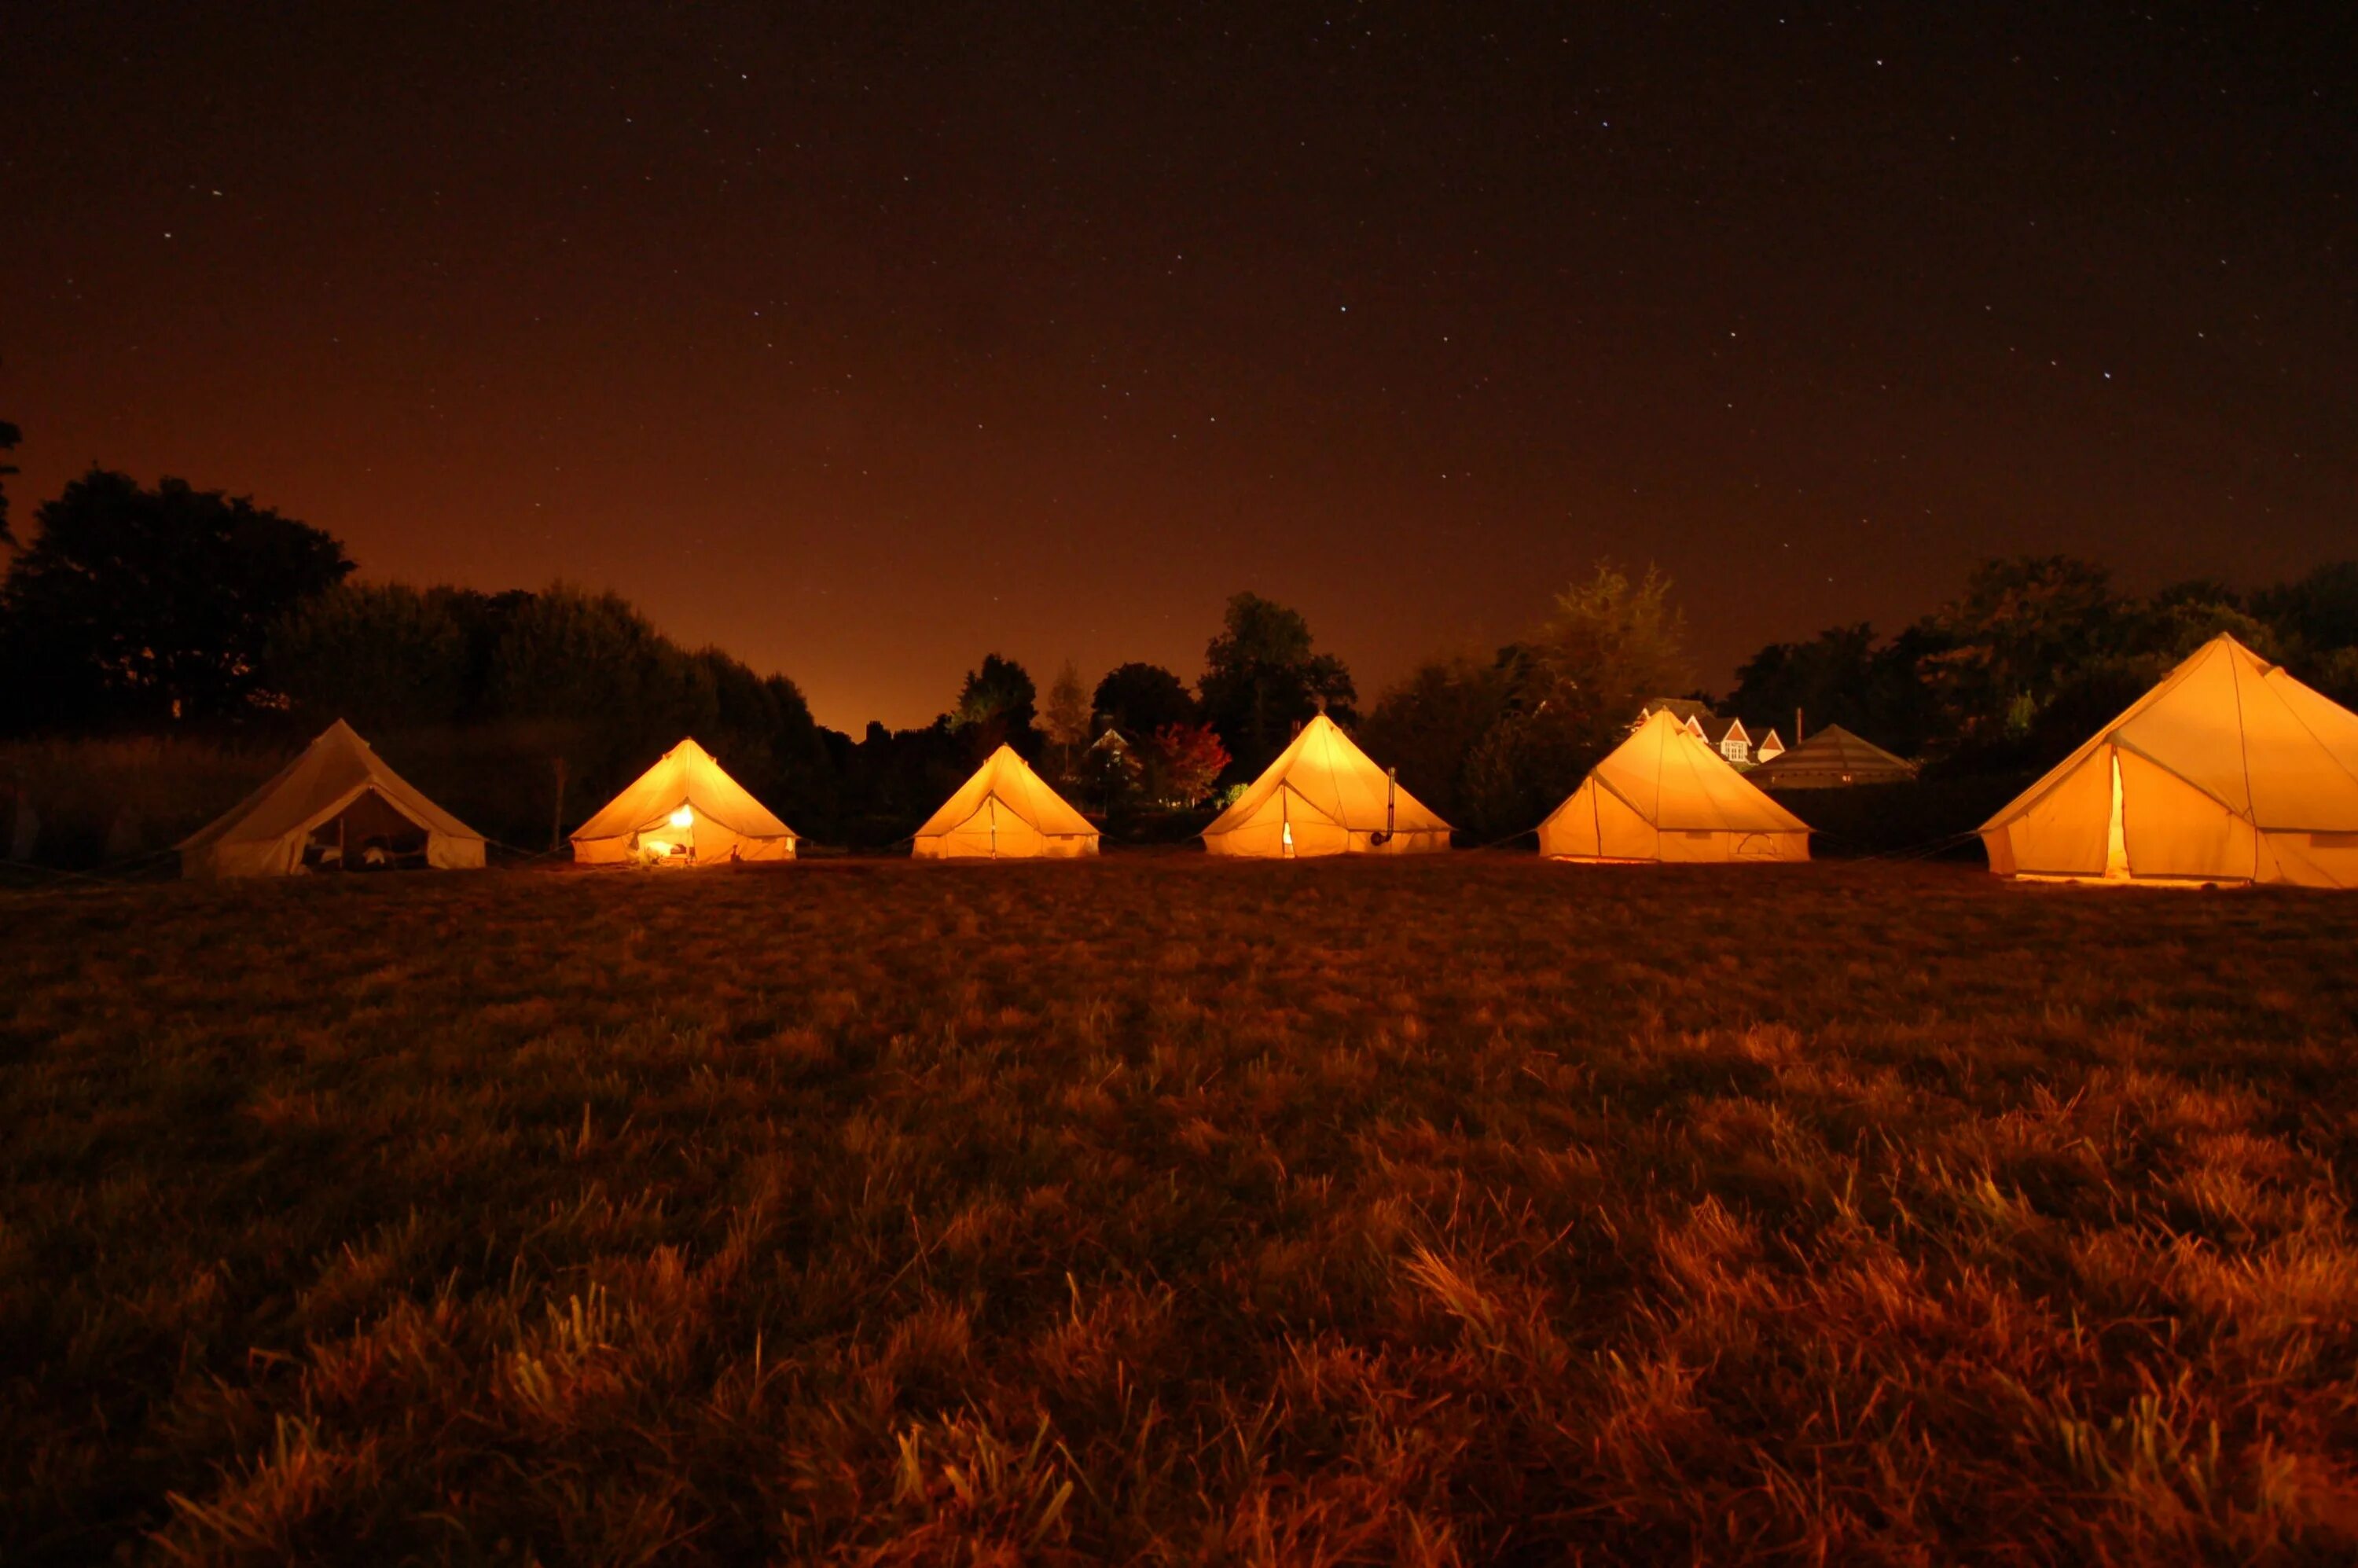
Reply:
x=1831, y=759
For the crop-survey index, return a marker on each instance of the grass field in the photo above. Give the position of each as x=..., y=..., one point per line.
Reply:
x=1463, y=1209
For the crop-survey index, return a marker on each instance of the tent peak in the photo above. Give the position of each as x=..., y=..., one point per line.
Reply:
x=2236, y=644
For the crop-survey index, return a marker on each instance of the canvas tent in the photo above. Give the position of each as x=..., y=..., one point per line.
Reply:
x=1324, y=796
x=683, y=811
x=2228, y=771
x=1005, y=812
x=1662, y=795
x=337, y=805
x=1832, y=759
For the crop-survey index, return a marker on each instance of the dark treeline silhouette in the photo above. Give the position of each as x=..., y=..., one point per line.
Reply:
x=1494, y=744
x=1996, y=685
x=132, y=607
x=190, y=614
x=131, y=612
x=2036, y=654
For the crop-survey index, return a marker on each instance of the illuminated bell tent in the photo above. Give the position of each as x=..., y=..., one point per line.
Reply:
x=1324, y=796
x=683, y=811
x=2228, y=771
x=336, y=807
x=1665, y=795
x=1005, y=812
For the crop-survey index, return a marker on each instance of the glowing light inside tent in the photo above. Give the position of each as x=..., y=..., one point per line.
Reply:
x=682, y=817
x=2117, y=844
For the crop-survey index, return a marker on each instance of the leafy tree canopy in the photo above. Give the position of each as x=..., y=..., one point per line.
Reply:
x=2014, y=636
x=1430, y=722
x=145, y=606
x=1139, y=700
x=1181, y=763
x=1065, y=720
x=1611, y=643
x=1263, y=677
x=997, y=706
x=2039, y=651
x=1495, y=746
x=1846, y=676
x=378, y=656
x=2319, y=612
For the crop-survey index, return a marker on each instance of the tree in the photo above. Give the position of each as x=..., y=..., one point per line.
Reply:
x=1263, y=679
x=1139, y=700
x=1065, y=721
x=1844, y=676
x=135, y=605
x=2022, y=630
x=2185, y=615
x=997, y=706
x=1496, y=746
x=1825, y=678
x=1183, y=761
x=2316, y=613
x=591, y=658
x=10, y=436
x=2335, y=674
x=1574, y=688
x=1430, y=723
x=381, y=657
x=1611, y=645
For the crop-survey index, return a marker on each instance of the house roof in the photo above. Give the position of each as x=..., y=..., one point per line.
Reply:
x=1833, y=757
x=1687, y=710
x=1678, y=707
x=1715, y=727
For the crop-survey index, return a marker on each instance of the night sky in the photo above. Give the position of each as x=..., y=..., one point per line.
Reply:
x=861, y=345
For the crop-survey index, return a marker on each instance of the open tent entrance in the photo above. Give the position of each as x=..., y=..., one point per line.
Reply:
x=372, y=834
x=2116, y=843
x=670, y=839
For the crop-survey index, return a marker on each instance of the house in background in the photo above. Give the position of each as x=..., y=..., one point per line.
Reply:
x=1685, y=709
x=1728, y=737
